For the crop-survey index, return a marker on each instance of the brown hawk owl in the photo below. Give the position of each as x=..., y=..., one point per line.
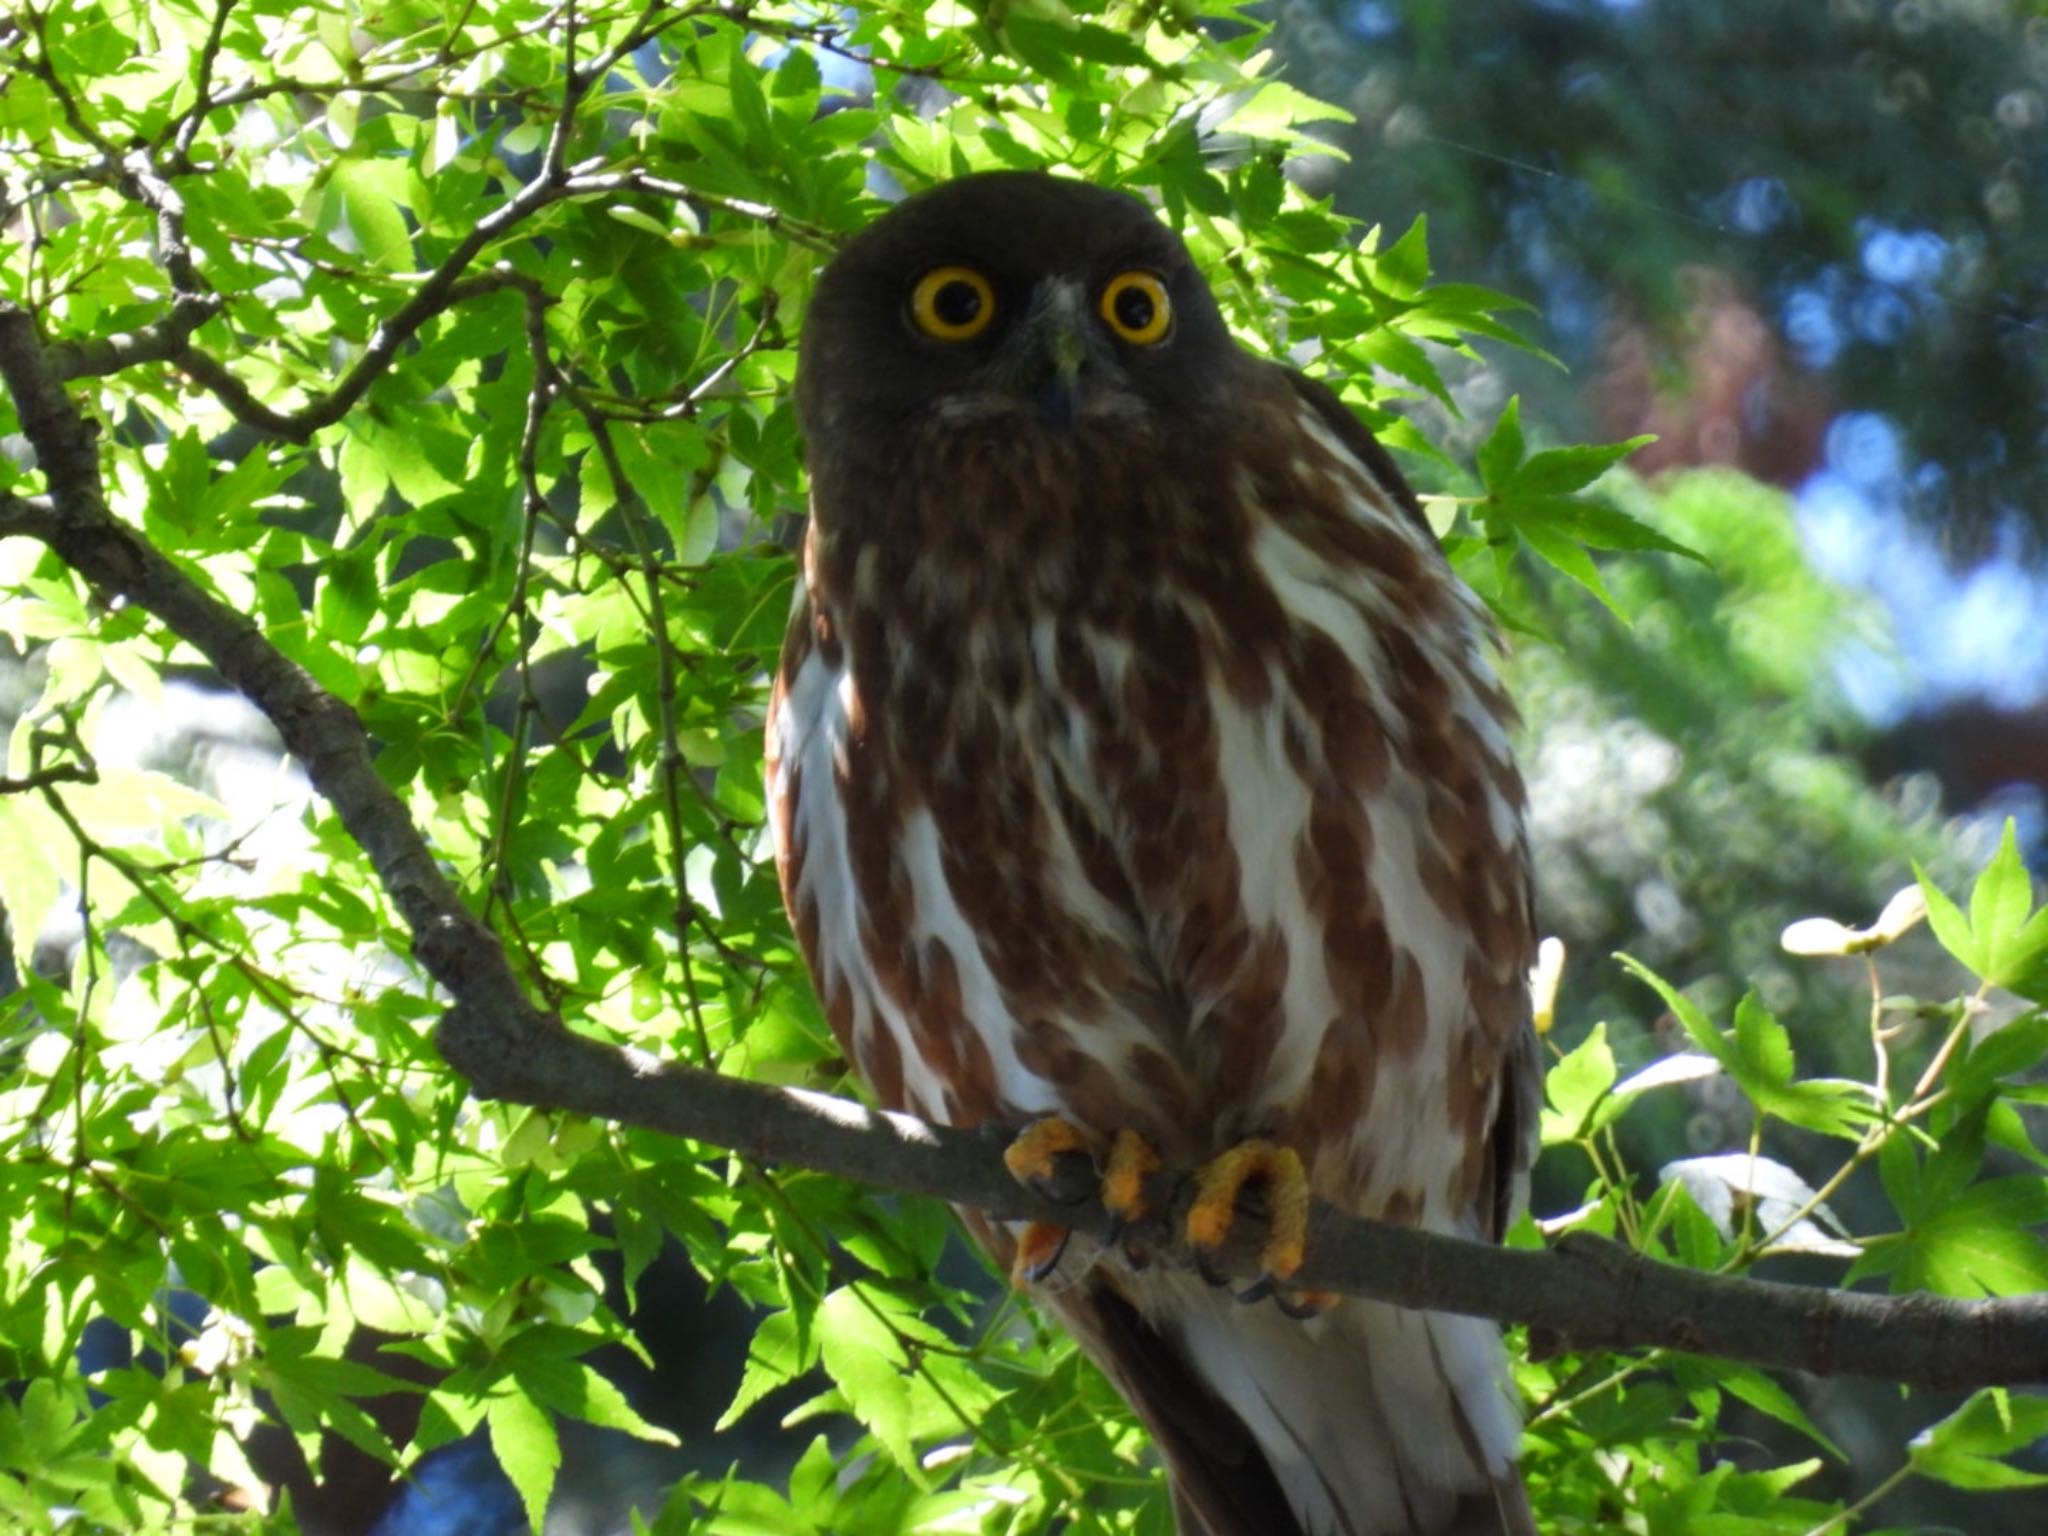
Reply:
x=1140, y=779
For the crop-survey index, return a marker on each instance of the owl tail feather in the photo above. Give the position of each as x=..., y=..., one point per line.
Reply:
x=1369, y=1421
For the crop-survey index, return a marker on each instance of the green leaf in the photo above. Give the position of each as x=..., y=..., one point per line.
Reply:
x=1977, y=1243
x=1276, y=110
x=864, y=1355
x=813, y=1481
x=1949, y=924
x=1575, y=1085
x=777, y=1356
x=2010, y=935
x=1501, y=454
x=1982, y=1066
x=1589, y=522
x=1560, y=471
x=1763, y=1050
x=1403, y=267
x=2023, y=968
x=1570, y=557
x=349, y=594
x=1081, y=40
x=369, y=192
x=1766, y=1396
x=1686, y=1011
x=2002, y=896
x=595, y=1399
x=523, y=1439
x=1968, y=1449
x=30, y=880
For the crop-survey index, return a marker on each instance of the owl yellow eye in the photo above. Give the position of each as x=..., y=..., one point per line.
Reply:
x=953, y=303
x=1135, y=306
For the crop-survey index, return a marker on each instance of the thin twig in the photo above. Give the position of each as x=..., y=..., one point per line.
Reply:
x=202, y=83
x=596, y=183
x=44, y=69
x=300, y=425
x=43, y=778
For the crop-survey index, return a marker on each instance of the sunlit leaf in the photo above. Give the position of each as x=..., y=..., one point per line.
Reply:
x=1969, y=1448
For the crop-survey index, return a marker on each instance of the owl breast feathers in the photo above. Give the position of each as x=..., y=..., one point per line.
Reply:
x=1137, y=759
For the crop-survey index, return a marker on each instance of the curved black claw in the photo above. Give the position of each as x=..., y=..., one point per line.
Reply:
x=1205, y=1266
x=1045, y=1265
x=1259, y=1290
x=1301, y=1306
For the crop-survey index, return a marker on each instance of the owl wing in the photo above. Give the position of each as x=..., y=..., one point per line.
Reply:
x=1336, y=882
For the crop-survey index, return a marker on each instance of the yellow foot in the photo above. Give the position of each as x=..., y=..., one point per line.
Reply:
x=1044, y=1156
x=1131, y=1162
x=1220, y=1185
x=1042, y=1152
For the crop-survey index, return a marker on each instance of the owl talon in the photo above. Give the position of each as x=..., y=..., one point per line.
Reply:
x=1219, y=1187
x=1048, y=1154
x=1303, y=1305
x=1131, y=1162
x=1039, y=1251
x=1045, y=1155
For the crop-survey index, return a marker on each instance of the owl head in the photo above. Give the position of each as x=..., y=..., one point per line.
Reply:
x=1016, y=305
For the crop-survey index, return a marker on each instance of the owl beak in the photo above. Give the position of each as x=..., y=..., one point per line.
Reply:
x=1060, y=404
x=1062, y=328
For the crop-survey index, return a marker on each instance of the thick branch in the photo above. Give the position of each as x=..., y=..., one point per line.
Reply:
x=1586, y=1293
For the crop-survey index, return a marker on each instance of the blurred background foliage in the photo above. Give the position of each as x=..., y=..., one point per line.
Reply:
x=1800, y=243
x=1741, y=220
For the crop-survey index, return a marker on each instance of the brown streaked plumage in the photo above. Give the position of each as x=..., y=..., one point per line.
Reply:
x=1137, y=759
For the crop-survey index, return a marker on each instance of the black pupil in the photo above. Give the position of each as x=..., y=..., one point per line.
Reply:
x=1133, y=307
x=957, y=303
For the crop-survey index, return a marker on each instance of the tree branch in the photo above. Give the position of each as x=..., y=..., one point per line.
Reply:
x=1586, y=1293
x=158, y=342
x=443, y=288
x=43, y=778
x=44, y=68
x=320, y=730
x=590, y=184
x=433, y=297
x=202, y=82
